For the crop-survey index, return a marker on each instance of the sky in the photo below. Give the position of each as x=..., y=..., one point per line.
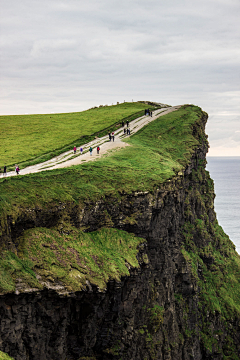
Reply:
x=67, y=56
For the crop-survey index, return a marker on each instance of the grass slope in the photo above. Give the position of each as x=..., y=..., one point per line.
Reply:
x=25, y=137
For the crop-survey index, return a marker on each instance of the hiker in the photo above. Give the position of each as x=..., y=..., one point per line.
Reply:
x=81, y=150
x=151, y=113
x=98, y=148
x=17, y=170
x=90, y=149
x=4, y=170
x=128, y=131
x=110, y=137
x=74, y=149
x=124, y=131
x=122, y=123
x=127, y=123
x=113, y=136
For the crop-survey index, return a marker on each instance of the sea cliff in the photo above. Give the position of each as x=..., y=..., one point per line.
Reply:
x=180, y=300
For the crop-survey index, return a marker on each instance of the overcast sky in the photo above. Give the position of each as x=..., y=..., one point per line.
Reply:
x=66, y=56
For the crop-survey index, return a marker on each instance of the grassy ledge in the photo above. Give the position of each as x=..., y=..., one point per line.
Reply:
x=70, y=260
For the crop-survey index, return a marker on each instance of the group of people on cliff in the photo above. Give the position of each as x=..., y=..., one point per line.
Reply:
x=17, y=170
x=111, y=136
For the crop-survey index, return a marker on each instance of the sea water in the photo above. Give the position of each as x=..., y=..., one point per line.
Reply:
x=225, y=171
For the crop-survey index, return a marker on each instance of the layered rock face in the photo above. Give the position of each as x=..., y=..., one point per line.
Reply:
x=155, y=313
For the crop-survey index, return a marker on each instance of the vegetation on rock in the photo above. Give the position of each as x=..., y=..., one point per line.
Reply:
x=72, y=258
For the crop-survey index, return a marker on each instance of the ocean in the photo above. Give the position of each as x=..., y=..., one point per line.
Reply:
x=225, y=171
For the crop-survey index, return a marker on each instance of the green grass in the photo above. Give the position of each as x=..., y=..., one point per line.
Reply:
x=157, y=153
x=73, y=258
x=40, y=137
x=4, y=356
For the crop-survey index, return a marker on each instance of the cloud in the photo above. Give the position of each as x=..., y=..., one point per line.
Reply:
x=68, y=56
x=43, y=47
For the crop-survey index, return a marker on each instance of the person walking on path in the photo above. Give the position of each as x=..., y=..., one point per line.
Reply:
x=90, y=150
x=74, y=149
x=17, y=170
x=127, y=123
x=128, y=131
x=81, y=150
x=110, y=137
x=124, y=131
x=113, y=136
x=122, y=123
x=4, y=170
x=98, y=148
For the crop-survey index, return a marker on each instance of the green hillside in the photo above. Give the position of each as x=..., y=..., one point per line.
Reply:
x=40, y=137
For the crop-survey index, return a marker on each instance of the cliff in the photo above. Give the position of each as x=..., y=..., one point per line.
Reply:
x=179, y=300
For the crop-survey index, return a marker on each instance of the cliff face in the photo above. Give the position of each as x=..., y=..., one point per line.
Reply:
x=158, y=312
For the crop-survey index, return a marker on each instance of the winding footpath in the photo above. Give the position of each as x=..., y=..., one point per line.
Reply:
x=69, y=159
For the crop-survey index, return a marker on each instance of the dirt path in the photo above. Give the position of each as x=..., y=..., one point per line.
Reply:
x=69, y=159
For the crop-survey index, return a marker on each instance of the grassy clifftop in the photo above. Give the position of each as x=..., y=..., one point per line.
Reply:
x=156, y=153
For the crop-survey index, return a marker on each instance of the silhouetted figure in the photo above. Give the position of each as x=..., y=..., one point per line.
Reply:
x=110, y=137
x=127, y=123
x=98, y=148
